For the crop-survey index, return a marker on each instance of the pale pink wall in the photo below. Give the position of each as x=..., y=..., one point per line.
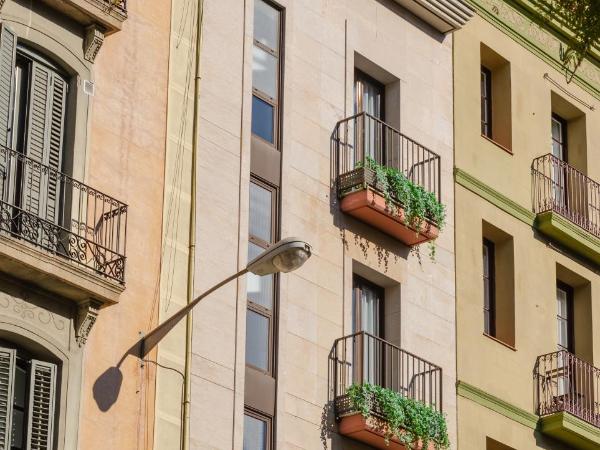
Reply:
x=126, y=160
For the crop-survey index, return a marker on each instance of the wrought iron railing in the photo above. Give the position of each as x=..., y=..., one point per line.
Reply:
x=363, y=358
x=563, y=189
x=565, y=383
x=362, y=135
x=57, y=213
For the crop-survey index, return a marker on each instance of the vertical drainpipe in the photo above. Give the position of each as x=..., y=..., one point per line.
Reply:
x=185, y=424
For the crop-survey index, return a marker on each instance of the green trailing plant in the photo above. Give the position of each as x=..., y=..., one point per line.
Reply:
x=582, y=19
x=419, y=204
x=410, y=421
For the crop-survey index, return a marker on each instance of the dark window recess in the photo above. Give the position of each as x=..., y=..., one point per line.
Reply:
x=486, y=102
x=489, y=288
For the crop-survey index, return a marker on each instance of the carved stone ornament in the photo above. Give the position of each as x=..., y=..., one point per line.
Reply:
x=86, y=318
x=1, y=4
x=94, y=37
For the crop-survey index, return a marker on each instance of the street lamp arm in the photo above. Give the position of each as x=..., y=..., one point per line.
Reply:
x=150, y=340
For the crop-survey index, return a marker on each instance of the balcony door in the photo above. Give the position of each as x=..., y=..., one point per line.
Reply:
x=564, y=317
x=369, y=95
x=559, y=172
x=368, y=318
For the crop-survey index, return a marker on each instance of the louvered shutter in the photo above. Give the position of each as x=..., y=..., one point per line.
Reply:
x=8, y=46
x=7, y=385
x=45, y=135
x=42, y=398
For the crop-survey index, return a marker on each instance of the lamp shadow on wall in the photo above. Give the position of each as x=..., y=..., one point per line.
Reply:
x=107, y=386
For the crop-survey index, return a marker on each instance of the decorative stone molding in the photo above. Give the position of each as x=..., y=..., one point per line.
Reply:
x=2, y=4
x=94, y=37
x=87, y=314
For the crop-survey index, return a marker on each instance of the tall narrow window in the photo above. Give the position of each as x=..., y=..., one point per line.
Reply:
x=489, y=288
x=564, y=317
x=256, y=431
x=261, y=290
x=486, y=102
x=266, y=79
x=559, y=137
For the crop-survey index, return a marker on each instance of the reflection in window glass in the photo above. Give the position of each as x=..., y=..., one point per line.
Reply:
x=260, y=212
x=255, y=433
x=266, y=24
x=264, y=72
x=262, y=119
x=257, y=340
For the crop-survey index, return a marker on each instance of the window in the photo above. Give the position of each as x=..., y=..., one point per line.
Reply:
x=496, y=103
x=491, y=444
x=486, y=102
x=559, y=137
x=33, y=103
x=261, y=290
x=498, y=272
x=367, y=304
x=27, y=401
x=266, y=72
x=489, y=288
x=256, y=431
x=564, y=317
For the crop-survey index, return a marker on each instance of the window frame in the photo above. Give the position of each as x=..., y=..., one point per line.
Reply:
x=255, y=414
x=276, y=103
x=564, y=144
x=486, y=102
x=489, y=312
x=269, y=314
x=570, y=316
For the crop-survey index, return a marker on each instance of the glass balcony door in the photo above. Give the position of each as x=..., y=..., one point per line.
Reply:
x=564, y=317
x=369, y=97
x=368, y=317
x=559, y=151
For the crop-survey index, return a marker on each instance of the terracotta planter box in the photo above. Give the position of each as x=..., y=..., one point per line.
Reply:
x=369, y=206
x=371, y=431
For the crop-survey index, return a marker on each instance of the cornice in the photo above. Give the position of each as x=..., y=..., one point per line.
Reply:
x=496, y=404
x=493, y=196
x=520, y=20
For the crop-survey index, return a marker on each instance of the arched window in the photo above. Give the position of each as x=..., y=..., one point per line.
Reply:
x=33, y=104
x=27, y=400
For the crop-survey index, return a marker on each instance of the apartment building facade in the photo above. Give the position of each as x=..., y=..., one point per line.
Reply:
x=82, y=132
x=301, y=105
x=527, y=240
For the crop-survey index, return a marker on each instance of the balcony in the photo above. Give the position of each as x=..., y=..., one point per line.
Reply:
x=568, y=399
x=379, y=173
x=109, y=15
x=567, y=206
x=59, y=233
x=360, y=366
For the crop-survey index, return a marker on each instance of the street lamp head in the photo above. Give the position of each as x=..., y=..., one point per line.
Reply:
x=284, y=256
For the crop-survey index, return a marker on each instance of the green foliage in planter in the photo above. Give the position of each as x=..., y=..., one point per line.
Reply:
x=419, y=204
x=409, y=420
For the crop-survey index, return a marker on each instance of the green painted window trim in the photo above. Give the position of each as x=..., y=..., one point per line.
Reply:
x=489, y=10
x=496, y=404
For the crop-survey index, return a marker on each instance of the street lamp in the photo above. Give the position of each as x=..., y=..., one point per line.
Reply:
x=284, y=256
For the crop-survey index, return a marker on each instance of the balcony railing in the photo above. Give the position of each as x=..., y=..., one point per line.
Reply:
x=566, y=383
x=362, y=135
x=560, y=188
x=363, y=358
x=59, y=214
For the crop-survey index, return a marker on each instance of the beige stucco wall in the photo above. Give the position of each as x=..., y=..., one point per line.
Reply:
x=126, y=159
x=482, y=362
x=315, y=302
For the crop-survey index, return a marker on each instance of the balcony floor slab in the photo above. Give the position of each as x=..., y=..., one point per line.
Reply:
x=567, y=428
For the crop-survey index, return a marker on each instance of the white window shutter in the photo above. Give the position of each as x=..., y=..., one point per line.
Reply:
x=42, y=400
x=7, y=386
x=45, y=136
x=8, y=48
